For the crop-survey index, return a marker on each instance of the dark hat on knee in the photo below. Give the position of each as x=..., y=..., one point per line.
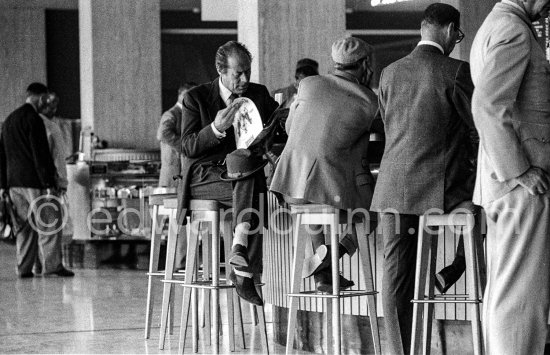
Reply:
x=241, y=164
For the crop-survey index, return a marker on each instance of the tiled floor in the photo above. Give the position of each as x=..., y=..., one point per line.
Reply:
x=97, y=311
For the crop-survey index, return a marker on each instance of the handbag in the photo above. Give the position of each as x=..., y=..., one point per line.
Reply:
x=10, y=224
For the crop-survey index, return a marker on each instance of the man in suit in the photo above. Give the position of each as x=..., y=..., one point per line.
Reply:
x=331, y=118
x=304, y=67
x=511, y=111
x=28, y=171
x=424, y=102
x=207, y=138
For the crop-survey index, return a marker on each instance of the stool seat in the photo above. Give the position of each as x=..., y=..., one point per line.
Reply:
x=204, y=205
x=158, y=199
x=320, y=209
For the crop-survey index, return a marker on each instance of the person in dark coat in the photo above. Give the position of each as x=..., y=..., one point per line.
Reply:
x=425, y=104
x=27, y=169
x=207, y=137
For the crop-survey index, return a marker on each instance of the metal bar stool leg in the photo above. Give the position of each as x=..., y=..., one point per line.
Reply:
x=168, y=275
x=215, y=246
x=206, y=272
x=153, y=267
x=365, y=257
x=297, y=264
x=471, y=263
x=190, y=266
x=429, y=308
x=420, y=282
x=262, y=324
x=336, y=326
x=229, y=292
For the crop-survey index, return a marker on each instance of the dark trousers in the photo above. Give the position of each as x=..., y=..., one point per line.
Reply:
x=400, y=232
x=247, y=197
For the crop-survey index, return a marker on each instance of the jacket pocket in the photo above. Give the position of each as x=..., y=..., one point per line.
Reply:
x=362, y=179
x=535, y=140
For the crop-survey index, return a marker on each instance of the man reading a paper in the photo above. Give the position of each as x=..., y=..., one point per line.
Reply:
x=208, y=138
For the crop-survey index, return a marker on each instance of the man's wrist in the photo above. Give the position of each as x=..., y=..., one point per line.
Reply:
x=217, y=133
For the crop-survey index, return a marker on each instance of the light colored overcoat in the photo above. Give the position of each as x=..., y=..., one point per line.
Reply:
x=325, y=158
x=512, y=114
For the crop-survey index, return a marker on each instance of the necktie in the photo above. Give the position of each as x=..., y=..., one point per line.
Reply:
x=231, y=98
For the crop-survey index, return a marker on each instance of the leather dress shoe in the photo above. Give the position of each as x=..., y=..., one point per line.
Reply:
x=239, y=256
x=26, y=275
x=447, y=277
x=323, y=281
x=245, y=288
x=61, y=273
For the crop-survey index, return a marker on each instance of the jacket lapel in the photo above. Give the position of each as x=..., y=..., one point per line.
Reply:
x=214, y=100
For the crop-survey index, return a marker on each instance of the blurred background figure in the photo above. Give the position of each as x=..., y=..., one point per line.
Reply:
x=169, y=134
x=304, y=67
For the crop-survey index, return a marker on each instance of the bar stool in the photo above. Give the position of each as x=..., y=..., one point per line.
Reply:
x=156, y=201
x=328, y=215
x=207, y=212
x=425, y=271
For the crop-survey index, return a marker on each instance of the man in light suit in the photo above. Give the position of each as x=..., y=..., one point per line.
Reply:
x=511, y=108
x=331, y=118
x=207, y=137
x=424, y=101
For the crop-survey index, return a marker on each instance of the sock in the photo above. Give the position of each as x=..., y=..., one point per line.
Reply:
x=241, y=234
x=341, y=250
x=243, y=273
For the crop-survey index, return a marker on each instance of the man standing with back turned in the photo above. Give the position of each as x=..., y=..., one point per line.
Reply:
x=511, y=108
x=424, y=101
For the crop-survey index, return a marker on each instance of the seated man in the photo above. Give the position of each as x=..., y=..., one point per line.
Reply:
x=330, y=119
x=207, y=138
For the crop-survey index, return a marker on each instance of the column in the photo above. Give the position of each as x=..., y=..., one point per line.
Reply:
x=278, y=33
x=22, y=55
x=120, y=71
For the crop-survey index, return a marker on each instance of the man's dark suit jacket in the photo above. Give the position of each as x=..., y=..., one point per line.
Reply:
x=198, y=141
x=25, y=158
x=425, y=103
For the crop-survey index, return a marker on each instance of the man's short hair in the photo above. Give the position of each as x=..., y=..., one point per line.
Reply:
x=227, y=50
x=35, y=89
x=186, y=86
x=306, y=71
x=440, y=14
x=307, y=62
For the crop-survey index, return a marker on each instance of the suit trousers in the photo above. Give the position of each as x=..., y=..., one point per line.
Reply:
x=517, y=297
x=42, y=231
x=247, y=198
x=400, y=239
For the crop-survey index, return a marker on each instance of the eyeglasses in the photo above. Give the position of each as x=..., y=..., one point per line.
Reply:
x=460, y=35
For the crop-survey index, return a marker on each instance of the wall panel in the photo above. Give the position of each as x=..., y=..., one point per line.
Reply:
x=22, y=55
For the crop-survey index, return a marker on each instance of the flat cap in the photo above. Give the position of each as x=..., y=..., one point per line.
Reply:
x=349, y=50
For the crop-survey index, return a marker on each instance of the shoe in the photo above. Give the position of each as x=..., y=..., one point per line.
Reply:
x=245, y=288
x=239, y=256
x=447, y=277
x=323, y=281
x=26, y=275
x=317, y=262
x=61, y=273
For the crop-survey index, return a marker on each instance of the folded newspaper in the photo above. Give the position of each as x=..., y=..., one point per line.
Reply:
x=248, y=125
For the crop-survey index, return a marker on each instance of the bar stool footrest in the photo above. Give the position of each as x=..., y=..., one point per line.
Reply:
x=446, y=301
x=343, y=294
x=201, y=284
